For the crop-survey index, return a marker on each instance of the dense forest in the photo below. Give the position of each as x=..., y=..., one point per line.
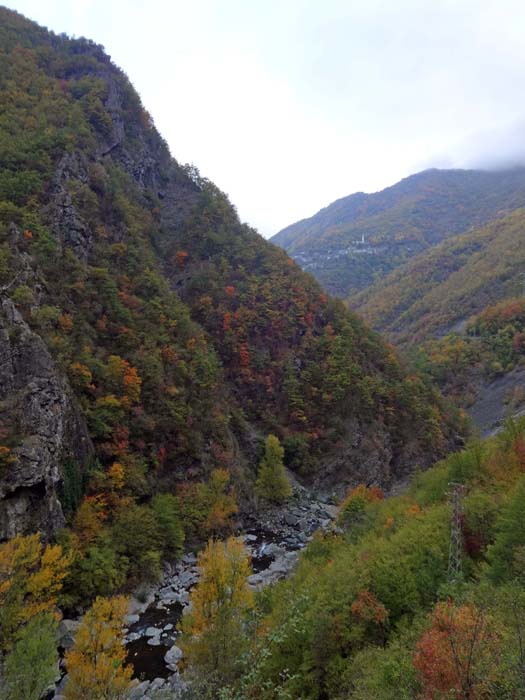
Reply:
x=174, y=338
x=376, y=610
x=167, y=375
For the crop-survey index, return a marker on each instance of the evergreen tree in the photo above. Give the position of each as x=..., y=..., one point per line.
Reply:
x=166, y=511
x=272, y=482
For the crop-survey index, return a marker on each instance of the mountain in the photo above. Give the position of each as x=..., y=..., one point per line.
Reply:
x=439, y=290
x=148, y=337
x=359, y=239
x=458, y=307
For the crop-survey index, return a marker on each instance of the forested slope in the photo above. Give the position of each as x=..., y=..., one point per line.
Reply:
x=440, y=289
x=375, y=611
x=359, y=239
x=174, y=338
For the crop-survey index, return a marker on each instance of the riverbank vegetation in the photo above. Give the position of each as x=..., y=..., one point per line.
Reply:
x=371, y=611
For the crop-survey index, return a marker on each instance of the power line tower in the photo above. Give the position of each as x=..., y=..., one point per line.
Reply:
x=456, y=534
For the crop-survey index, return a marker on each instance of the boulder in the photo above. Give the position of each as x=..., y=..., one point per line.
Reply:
x=187, y=578
x=67, y=630
x=138, y=691
x=272, y=550
x=189, y=558
x=172, y=657
x=156, y=684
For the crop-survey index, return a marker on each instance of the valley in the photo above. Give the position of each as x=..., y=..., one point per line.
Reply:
x=239, y=469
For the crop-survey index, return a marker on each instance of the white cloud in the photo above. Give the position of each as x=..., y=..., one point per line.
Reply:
x=289, y=105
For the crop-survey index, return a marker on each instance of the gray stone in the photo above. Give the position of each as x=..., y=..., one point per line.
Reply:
x=154, y=641
x=272, y=550
x=172, y=657
x=167, y=595
x=62, y=685
x=187, y=578
x=290, y=519
x=331, y=511
x=189, y=558
x=156, y=684
x=66, y=633
x=183, y=597
x=152, y=632
x=131, y=619
x=138, y=691
x=37, y=400
x=132, y=637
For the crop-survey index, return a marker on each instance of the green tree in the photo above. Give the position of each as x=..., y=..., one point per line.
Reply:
x=136, y=535
x=506, y=554
x=166, y=511
x=272, y=482
x=32, y=665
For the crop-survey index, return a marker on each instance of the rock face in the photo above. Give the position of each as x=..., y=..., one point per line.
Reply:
x=43, y=422
x=68, y=227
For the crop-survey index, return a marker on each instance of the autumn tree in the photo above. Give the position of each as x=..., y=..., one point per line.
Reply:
x=208, y=507
x=353, y=506
x=221, y=502
x=31, y=577
x=213, y=638
x=32, y=665
x=96, y=663
x=272, y=482
x=458, y=655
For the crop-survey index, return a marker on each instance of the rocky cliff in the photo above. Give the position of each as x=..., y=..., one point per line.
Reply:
x=40, y=421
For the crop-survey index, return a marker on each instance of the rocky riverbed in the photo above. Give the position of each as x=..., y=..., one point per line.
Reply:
x=274, y=539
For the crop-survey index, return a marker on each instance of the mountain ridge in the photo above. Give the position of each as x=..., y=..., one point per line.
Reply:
x=183, y=336
x=360, y=238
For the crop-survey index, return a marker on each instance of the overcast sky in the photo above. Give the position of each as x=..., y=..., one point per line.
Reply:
x=289, y=104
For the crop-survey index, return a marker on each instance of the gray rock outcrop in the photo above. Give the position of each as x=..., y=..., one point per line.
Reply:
x=43, y=423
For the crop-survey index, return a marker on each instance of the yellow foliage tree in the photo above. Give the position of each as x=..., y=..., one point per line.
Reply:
x=213, y=637
x=31, y=576
x=96, y=663
x=222, y=502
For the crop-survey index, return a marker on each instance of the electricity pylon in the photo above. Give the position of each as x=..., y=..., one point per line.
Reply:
x=456, y=534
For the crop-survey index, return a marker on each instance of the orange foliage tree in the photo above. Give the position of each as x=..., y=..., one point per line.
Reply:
x=458, y=655
x=354, y=504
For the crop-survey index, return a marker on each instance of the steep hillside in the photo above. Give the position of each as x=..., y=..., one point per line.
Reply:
x=375, y=612
x=157, y=336
x=454, y=308
x=360, y=238
x=438, y=291
x=483, y=366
